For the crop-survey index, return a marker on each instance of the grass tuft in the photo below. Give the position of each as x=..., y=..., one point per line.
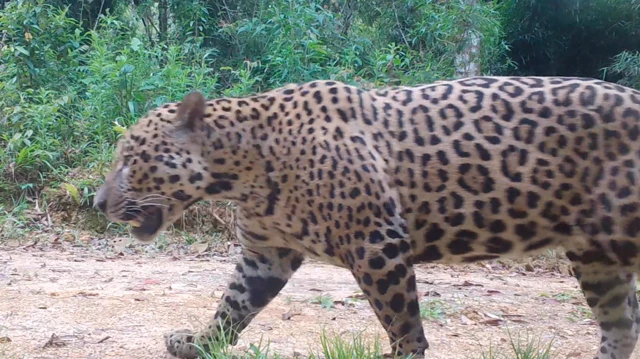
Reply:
x=355, y=346
x=519, y=348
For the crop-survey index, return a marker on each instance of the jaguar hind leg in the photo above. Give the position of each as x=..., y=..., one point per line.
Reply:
x=386, y=277
x=610, y=291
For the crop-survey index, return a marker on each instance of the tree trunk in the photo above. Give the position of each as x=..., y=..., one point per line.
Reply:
x=88, y=12
x=163, y=20
x=467, y=62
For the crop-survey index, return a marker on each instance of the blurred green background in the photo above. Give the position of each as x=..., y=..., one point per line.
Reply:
x=74, y=74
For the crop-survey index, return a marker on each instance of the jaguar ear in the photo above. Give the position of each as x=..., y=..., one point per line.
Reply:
x=191, y=110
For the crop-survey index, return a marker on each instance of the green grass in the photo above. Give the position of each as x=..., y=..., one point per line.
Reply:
x=331, y=347
x=519, y=348
x=355, y=346
x=433, y=310
x=579, y=314
x=325, y=301
x=14, y=225
x=564, y=296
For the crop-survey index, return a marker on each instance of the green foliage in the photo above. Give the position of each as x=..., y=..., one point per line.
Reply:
x=570, y=37
x=437, y=31
x=74, y=75
x=301, y=40
x=36, y=81
x=42, y=45
x=65, y=93
x=294, y=40
x=70, y=83
x=626, y=65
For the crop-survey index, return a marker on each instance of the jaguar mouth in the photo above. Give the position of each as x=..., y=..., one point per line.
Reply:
x=147, y=224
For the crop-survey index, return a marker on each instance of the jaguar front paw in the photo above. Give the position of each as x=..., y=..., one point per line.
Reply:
x=180, y=344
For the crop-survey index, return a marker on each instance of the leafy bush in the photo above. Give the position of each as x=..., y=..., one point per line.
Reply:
x=70, y=84
x=570, y=37
x=73, y=75
x=65, y=92
x=626, y=66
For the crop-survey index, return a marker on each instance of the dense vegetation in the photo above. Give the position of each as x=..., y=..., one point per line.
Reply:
x=73, y=74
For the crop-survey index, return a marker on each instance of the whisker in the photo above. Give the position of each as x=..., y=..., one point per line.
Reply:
x=132, y=214
x=155, y=196
x=118, y=209
x=149, y=200
x=150, y=204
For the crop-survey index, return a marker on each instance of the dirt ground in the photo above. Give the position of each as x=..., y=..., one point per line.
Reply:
x=80, y=303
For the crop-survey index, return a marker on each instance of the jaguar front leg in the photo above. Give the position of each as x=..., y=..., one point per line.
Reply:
x=610, y=291
x=259, y=276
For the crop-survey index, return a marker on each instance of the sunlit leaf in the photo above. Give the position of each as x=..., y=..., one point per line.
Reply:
x=135, y=44
x=22, y=50
x=128, y=68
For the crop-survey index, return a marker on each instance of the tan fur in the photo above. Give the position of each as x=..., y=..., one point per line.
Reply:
x=376, y=181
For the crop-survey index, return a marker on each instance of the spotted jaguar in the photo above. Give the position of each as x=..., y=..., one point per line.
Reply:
x=377, y=181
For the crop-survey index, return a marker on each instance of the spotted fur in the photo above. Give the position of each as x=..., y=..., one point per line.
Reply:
x=376, y=181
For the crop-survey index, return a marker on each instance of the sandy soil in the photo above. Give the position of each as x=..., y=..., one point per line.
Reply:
x=78, y=303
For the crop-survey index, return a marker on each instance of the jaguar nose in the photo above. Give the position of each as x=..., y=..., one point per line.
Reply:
x=100, y=200
x=102, y=205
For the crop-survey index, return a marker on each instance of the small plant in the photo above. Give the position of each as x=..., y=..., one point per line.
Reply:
x=325, y=301
x=521, y=349
x=218, y=350
x=337, y=347
x=14, y=224
x=580, y=313
x=433, y=310
x=188, y=237
x=561, y=297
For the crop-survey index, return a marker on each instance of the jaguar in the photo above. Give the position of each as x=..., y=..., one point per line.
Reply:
x=379, y=180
